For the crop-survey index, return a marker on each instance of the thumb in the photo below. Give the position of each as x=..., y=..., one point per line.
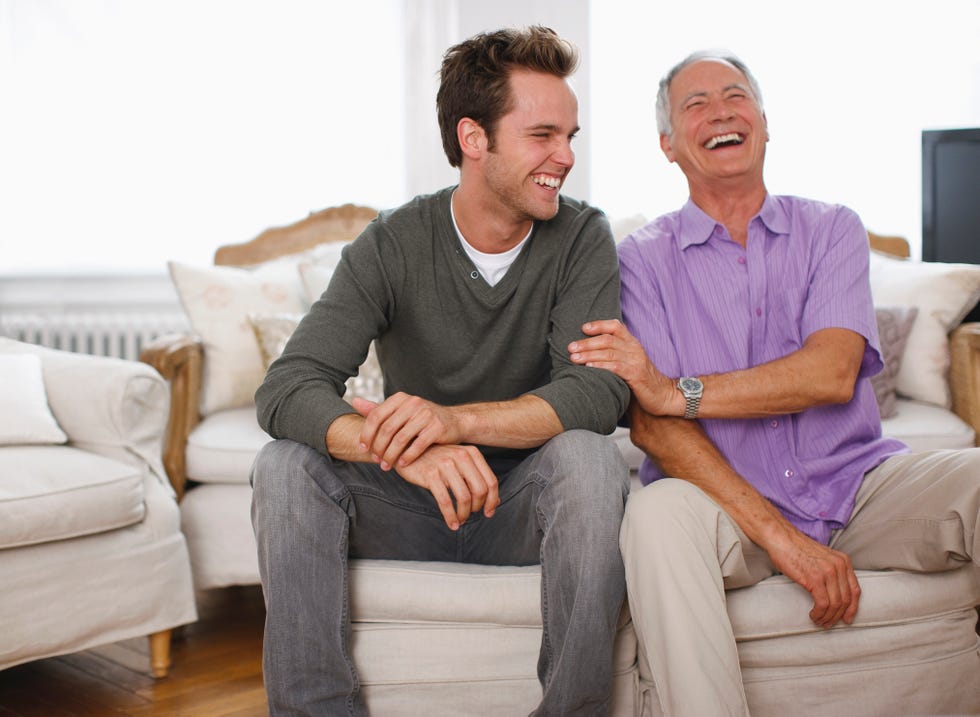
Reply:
x=363, y=406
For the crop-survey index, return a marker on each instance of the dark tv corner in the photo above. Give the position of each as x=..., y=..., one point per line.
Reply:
x=951, y=198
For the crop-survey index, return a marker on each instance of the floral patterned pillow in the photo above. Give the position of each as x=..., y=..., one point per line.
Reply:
x=894, y=326
x=272, y=331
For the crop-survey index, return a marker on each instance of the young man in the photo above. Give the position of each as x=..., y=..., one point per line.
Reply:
x=759, y=309
x=488, y=447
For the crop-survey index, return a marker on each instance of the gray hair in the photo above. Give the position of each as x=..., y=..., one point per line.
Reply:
x=663, y=92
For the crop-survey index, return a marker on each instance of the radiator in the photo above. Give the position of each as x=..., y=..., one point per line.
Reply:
x=118, y=333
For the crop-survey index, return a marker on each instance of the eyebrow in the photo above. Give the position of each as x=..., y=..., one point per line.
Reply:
x=551, y=128
x=726, y=88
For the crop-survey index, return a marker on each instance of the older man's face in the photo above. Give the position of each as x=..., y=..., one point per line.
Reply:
x=718, y=129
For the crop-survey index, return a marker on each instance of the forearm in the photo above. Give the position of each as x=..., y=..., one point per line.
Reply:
x=822, y=372
x=343, y=439
x=524, y=422
x=682, y=450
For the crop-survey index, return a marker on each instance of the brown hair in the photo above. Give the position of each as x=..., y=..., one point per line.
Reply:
x=475, y=73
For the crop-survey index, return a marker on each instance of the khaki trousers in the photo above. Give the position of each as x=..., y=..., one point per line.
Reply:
x=917, y=512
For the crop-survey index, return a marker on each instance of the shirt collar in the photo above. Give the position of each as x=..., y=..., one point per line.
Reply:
x=697, y=227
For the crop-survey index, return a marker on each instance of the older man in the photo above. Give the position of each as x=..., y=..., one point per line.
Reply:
x=759, y=309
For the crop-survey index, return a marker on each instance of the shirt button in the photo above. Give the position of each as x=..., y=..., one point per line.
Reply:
x=758, y=311
x=774, y=423
x=789, y=473
x=474, y=274
x=741, y=260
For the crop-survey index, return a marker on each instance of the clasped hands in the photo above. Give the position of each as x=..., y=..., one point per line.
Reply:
x=420, y=441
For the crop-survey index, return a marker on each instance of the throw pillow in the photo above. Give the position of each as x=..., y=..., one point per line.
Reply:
x=25, y=417
x=894, y=325
x=315, y=278
x=272, y=331
x=217, y=301
x=944, y=294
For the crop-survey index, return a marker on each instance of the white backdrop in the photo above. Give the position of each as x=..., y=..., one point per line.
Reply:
x=848, y=88
x=137, y=131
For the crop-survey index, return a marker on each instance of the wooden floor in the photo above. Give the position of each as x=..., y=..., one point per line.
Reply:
x=216, y=671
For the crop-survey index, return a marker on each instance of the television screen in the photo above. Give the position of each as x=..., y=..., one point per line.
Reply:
x=951, y=197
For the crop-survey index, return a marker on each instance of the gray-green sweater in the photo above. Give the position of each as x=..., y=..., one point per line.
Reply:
x=443, y=333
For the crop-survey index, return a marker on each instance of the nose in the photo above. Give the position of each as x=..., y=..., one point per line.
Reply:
x=721, y=111
x=564, y=154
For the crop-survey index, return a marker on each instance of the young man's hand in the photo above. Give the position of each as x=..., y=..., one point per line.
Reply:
x=399, y=430
x=458, y=478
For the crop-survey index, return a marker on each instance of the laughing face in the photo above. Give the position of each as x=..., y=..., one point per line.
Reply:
x=718, y=129
x=532, y=153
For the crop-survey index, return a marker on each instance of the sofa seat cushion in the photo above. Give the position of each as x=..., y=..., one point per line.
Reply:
x=913, y=639
x=926, y=426
x=52, y=493
x=405, y=641
x=222, y=447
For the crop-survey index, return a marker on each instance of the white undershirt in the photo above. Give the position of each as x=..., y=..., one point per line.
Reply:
x=492, y=267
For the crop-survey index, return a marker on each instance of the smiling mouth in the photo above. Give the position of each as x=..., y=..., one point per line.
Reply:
x=724, y=140
x=545, y=181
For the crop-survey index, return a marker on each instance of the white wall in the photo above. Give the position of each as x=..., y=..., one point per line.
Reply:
x=848, y=88
x=137, y=131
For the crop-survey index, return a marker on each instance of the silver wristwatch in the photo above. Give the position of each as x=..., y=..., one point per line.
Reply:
x=692, y=388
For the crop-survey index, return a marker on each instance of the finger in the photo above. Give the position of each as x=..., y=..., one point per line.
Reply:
x=603, y=326
x=460, y=491
x=855, y=597
x=445, y=504
x=492, y=501
x=377, y=417
x=821, y=603
x=416, y=443
x=363, y=406
x=390, y=436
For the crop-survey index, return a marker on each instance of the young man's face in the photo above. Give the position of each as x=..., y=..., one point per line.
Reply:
x=532, y=152
x=718, y=130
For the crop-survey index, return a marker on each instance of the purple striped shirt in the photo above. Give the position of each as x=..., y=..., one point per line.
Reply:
x=701, y=304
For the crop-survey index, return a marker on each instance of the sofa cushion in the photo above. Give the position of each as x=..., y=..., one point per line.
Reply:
x=944, y=294
x=217, y=301
x=925, y=426
x=52, y=493
x=402, y=636
x=894, y=327
x=223, y=445
x=25, y=417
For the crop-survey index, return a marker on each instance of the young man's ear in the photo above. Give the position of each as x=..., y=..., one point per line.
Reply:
x=472, y=138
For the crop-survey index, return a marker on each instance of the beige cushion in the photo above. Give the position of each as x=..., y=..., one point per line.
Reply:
x=50, y=493
x=943, y=294
x=222, y=447
x=218, y=528
x=217, y=301
x=25, y=417
x=924, y=426
x=402, y=637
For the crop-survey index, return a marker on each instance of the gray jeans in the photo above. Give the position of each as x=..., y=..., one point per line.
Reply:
x=561, y=508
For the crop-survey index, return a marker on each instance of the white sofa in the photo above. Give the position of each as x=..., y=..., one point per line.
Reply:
x=90, y=545
x=415, y=658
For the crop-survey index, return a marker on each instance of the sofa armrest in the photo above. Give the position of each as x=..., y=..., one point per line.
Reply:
x=964, y=374
x=110, y=406
x=179, y=359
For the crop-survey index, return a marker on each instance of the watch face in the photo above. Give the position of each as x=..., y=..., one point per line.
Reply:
x=690, y=384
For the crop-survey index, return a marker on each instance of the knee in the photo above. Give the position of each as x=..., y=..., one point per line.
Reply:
x=281, y=464
x=660, y=510
x=591, y=463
